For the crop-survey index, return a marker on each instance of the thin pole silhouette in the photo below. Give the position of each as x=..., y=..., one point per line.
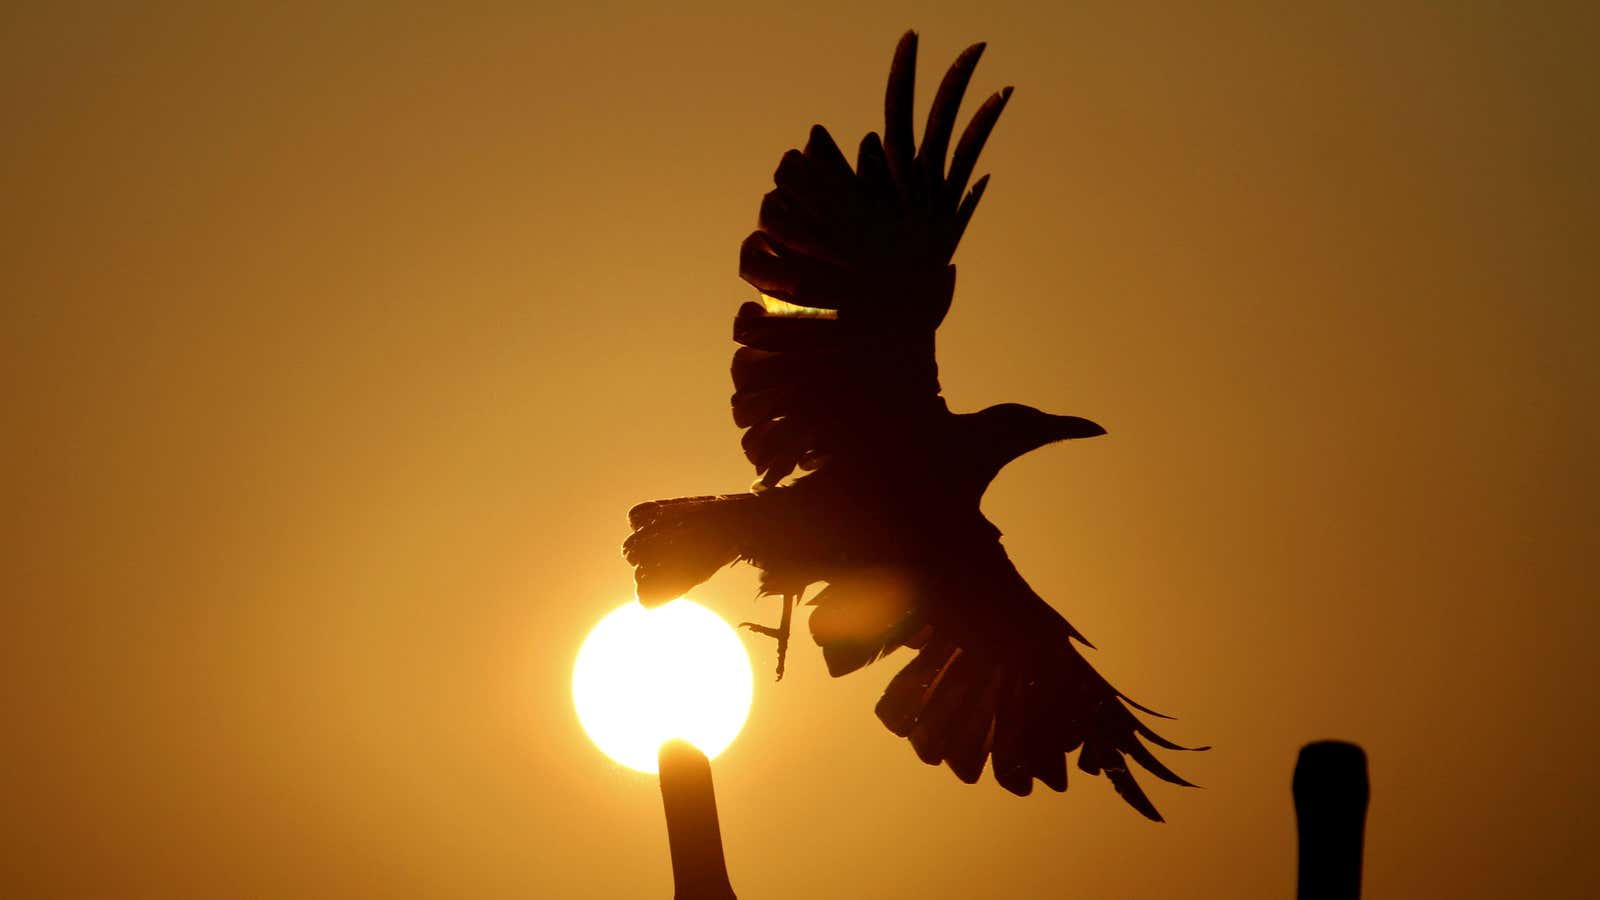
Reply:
x=1330, y=805
x=699, y=871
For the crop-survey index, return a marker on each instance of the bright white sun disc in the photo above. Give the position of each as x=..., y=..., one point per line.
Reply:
x=645, y=676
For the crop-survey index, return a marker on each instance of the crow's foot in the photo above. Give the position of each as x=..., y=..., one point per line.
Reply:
x=781, y=633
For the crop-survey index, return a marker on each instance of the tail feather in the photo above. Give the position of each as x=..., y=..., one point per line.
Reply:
x=903, y=699
x=677, y=544
x=1009, y=747
x=962, y=706
x=931, y=736
x=971, y=731
x=980, y=688
x=1044, y=730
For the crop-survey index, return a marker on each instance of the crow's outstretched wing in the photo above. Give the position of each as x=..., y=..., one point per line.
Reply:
x=996, y=676
x=854, y=269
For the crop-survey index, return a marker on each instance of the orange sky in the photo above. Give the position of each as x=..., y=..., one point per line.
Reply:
x=337, y=342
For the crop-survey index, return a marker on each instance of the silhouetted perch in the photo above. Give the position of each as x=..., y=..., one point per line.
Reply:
x=699, y=871
x=1330, y=805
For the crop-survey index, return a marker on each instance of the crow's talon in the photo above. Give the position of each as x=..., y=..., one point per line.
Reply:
x=763, y=629
x=781, y=633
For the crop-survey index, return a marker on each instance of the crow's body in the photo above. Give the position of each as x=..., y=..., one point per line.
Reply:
x=836, y=377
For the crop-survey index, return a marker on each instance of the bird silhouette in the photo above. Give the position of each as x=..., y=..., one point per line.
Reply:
x=871, y=486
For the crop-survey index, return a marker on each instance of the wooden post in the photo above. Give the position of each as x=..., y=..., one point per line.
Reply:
x=1330, y=805
x=699, y=871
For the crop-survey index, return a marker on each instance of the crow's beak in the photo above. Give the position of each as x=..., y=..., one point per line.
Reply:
x=1070, y=427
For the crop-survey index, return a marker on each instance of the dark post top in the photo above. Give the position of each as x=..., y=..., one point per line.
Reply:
x=698, y=868
x=1330, y=804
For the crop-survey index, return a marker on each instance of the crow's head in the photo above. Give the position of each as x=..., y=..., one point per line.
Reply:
x=1004, y=432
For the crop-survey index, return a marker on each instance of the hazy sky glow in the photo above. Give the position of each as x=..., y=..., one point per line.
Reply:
x=339, y=338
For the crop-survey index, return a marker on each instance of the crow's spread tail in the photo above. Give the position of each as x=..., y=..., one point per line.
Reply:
x=677, y=544
x=996, y=678
x=1024, y=712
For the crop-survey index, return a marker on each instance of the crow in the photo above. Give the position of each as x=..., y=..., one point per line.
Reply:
x=871, y=486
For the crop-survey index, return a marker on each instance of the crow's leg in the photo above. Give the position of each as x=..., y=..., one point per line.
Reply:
x=781, y=632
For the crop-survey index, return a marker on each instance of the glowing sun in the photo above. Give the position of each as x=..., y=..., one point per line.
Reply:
x=647, y=675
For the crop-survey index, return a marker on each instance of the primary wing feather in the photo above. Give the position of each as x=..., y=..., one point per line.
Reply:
x=854, y=269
